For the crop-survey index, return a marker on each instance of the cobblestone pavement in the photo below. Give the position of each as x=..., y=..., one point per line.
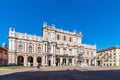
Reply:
x=61, y=73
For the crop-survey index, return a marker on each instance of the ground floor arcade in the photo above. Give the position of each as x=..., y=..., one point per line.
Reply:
x=44, y=60
x=107, y=63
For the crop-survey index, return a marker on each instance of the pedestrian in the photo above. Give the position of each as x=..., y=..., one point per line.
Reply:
x=38, y=66
x=30, y=65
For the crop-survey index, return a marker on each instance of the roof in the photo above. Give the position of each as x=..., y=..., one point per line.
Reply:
x=3, y=48
x=110, y=48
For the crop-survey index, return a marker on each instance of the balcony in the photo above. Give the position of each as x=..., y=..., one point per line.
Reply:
x=68, y=54
x=57, y=53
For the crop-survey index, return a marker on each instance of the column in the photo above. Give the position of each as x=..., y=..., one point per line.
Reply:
x=94, y=62
x=46, y=48
x=43, y=48
x=84, y=60
x=9, y=58
x=13, y=53
x=13, y=58
x=25, y=60
x=54, y=61
x=35, y=48
x=61, y=60
x=52, y=49
x=34, y=61
x=102, y=63
x=13, y=43
x=89, y=62
x=16, y=61
x=10, y=46
x=73, y=63
x=43, y=60
x=66, y=61
x=46, y=63
x=25, y=47
x=73, y=52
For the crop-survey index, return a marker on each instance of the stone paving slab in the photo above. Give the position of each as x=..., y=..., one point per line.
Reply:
x=61, y=73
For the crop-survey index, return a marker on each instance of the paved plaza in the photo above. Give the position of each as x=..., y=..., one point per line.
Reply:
x=61, y=73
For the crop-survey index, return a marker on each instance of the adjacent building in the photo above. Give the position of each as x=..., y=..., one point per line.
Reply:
x=54, y=48
x=3, y=55
x=108, y=57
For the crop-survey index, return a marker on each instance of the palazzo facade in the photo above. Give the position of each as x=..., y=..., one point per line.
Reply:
x=54, y=48
x=108, y=57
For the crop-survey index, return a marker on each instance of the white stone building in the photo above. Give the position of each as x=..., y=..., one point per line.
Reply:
x=54, y=48
x=108, y=57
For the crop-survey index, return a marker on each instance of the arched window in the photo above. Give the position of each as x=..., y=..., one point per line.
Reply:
x=20, y=47
x=30, y=48
x=39, y=49
x=64, y=38
x=58, y=37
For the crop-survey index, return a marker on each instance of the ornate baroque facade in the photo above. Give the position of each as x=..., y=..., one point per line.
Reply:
x=56, y=47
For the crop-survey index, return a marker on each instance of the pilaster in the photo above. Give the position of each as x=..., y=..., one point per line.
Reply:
x=61, y=60
x=34, y=61
x=25, y=60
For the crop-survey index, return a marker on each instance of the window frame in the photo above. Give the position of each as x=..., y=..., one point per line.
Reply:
x=58, y=37
x=30, y=48
x=64, y=38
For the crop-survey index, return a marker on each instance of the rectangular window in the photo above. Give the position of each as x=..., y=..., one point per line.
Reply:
x=58, y=37
x=70, y=39
x=64, y=38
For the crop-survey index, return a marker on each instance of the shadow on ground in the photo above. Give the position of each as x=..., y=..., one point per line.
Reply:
x=64, y=75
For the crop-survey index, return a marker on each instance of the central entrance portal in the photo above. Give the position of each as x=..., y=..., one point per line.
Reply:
x=57, y=61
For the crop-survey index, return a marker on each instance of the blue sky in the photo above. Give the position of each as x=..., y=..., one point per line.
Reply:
x=98, y=20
